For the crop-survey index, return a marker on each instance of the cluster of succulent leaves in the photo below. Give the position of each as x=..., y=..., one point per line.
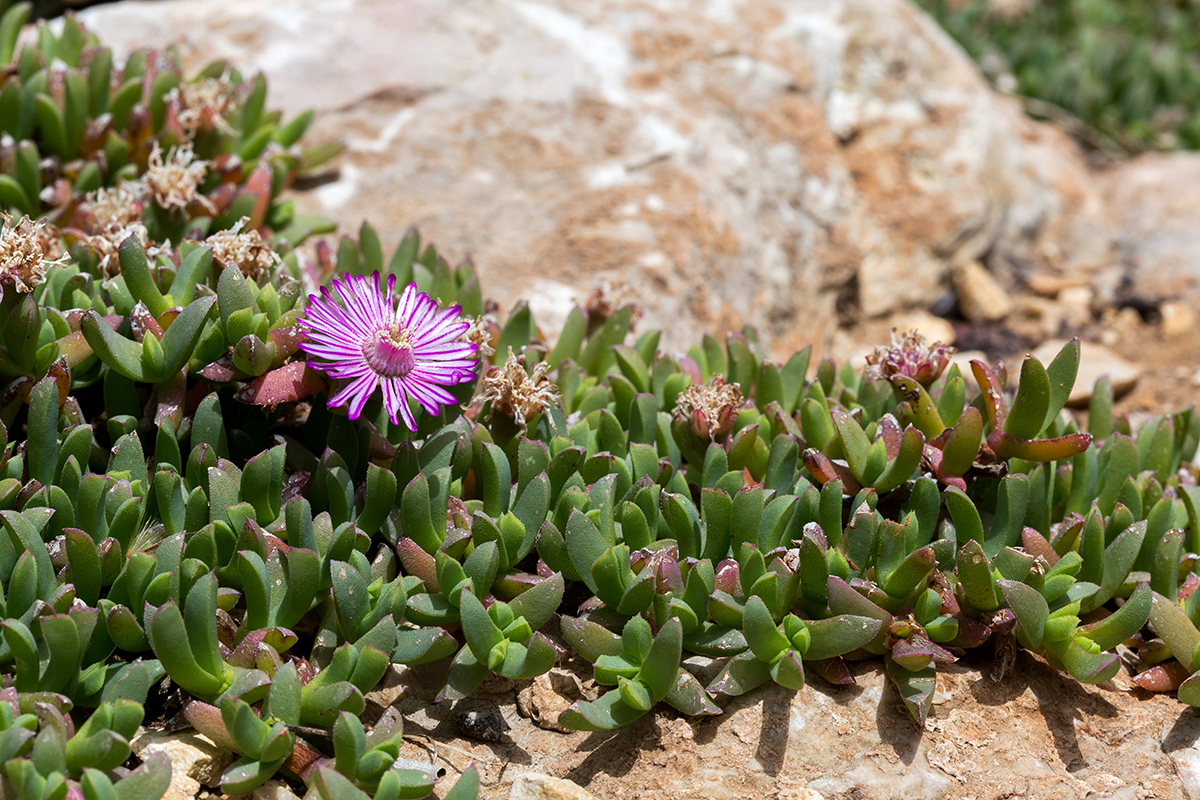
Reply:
x=1127, y=69
x=72, y=122
x=181, y=509
x=170, y=513
x=272, y=558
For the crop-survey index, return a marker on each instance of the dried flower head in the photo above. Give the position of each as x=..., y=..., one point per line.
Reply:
x=358, y=333
x=202, y=105
x=710, y=410
x=108, y=217
x=482, y=333
x=516, y=393
x=607, y=298
x=26, y=249
x=246, y=249
x=173, y=182
x=118, y=207
x=910, y=356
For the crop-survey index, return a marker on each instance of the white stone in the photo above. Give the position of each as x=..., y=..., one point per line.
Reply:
x=1178, y=318
x=933, y=328
x=1156, y=197
x=274, y=790
x=1076, y=305
x=397, y=683
x=980, y=297
x=535, y=786
x=195, y=759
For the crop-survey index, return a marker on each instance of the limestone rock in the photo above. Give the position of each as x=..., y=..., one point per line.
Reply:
x=1095, y=361
x=1048, y=313
x=1178, y=318
x=730, y=163
x=1076, y=305
x=1157, y=197
x=534, y=786
x=273, y=790
x=980, y=297
x=195, y=759
x=1047, y=284
x=549, y=695
x=964, y=358
x=800, y=793
x=933, y=328
x=397, y=683
x=1118, y=324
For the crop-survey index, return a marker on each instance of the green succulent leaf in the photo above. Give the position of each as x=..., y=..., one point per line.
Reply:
x=1027, y=416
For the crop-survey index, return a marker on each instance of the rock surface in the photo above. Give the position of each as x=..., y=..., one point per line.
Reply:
x=980, y=297
x=273, y=790
x=195, y=759
x=1178, y=318
x=1155, y=198
x=535, y=786
x=1035, y=734
x=549, y=695
x=776, y=162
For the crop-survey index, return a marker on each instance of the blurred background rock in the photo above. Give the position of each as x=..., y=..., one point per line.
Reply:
x=820, y=169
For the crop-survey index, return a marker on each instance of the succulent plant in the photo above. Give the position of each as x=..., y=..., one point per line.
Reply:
x=199, y=482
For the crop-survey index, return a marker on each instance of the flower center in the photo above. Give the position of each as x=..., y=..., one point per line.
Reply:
x=389, y=351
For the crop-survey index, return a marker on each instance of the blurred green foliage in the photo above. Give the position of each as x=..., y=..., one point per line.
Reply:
x=1128, y=69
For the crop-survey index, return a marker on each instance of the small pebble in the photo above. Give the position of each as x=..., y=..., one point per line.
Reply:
x=1177, y=319
x=482, y=724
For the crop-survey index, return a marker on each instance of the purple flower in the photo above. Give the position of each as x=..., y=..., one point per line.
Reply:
x=411, y=349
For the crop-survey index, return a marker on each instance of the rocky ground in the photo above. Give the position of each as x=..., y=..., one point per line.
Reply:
x=1035, y=733
x=822, y=169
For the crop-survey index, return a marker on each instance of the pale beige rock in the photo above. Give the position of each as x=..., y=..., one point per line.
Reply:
x=1117, y=325
x=933, y=328
x=1095, y=361
x=1036, y=734
x=1048, y=313
x=1076, y=305
x=963, y=361
x=195, y=759
x=1156, y=198
x=801, y=793
x=535, y=786
x=397, y=683
x=547, y=696
x=735, y=163
x=274, y=790
x=1187, y=765
x=1178, y=318
x=980, y=297
x=1048, y=285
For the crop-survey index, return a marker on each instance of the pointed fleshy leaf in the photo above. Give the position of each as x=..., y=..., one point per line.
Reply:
x=1027, y=415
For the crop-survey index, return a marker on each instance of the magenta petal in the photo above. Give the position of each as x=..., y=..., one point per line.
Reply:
x=356, y=394
x=350, y=327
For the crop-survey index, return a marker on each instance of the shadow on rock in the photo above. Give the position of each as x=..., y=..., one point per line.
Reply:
x=473, y=720
x=775, y=729
x=615, y=753
x=897, y=729
x=1062, y=702
x=1184, y=732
